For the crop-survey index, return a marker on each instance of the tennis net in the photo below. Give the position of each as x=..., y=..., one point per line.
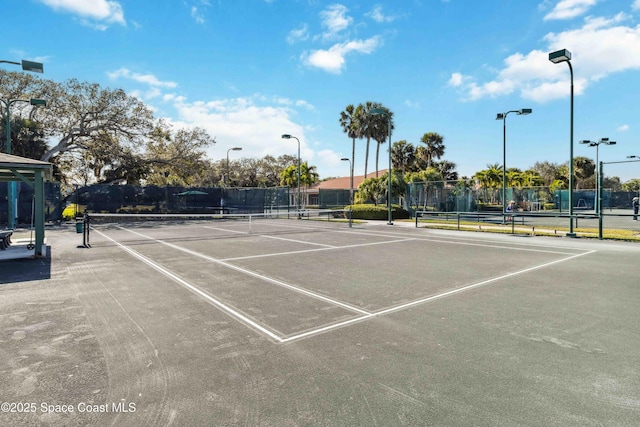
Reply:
x=191, y=226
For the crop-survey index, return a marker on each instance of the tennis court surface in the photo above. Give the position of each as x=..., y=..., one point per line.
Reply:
x=288, y=322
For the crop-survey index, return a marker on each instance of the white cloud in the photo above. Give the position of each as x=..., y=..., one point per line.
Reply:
x=197, y=15
x=335, y=21
x=299, y=34
x=567, y=9
x=411, y=104
x=599, y=48
x=333, y=59
x=636, y=5
x=456, y=79
x=377, y=15
x=95, y=10
x=197, y=10
x=246, y=122
x=623, y=128
x=148, y=79
x=330, y=157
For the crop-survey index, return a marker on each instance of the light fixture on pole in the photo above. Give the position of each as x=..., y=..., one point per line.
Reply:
x=34, y=67
x=503, y=117
x=287, y=136
x=557, y=57
x=228, y=173
x=597, y=145
x=345, y=159
x=11, y=185
x=385, y=112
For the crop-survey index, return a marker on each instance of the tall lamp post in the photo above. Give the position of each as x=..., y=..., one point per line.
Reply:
x=384, y=112
x=345, y=159
x=287, y=136
x=228, y=173
x=635, y=157
x=35, y=67
x=557, y=57
x=597, y=145
x=503, y=117
x=12, y=185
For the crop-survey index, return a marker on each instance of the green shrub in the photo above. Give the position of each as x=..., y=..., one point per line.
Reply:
x=376, y=212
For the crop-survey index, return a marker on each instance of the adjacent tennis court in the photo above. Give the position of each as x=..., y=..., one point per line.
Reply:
x=275, y=320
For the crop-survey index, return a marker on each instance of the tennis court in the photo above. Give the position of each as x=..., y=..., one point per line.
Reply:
x=281, y=321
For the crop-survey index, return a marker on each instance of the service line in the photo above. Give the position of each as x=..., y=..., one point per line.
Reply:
x=256, y=275
x=225, y=308
x=431, y=298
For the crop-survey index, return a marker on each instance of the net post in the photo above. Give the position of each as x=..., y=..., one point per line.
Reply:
x=85, y=231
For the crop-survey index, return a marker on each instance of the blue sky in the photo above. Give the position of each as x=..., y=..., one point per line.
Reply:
x=251, y=70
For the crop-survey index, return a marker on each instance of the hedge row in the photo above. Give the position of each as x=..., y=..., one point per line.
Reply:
x=375, y=212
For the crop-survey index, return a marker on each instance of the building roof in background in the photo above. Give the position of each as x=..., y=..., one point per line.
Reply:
x=343, y=183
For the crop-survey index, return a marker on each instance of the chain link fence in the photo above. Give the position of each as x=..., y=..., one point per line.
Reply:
x=175, y=199
x=535, y=208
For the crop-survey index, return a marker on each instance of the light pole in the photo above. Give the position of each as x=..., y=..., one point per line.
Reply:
x=635, y=157
x=287, y=136
x=345, y=159
x=385, y=112
x=503, y=117
x=11, y=188
x=228, y=173
x=557, y=57
x=35, y=67
x=597, y=145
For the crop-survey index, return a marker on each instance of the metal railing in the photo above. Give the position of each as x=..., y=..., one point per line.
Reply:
x=611, y=225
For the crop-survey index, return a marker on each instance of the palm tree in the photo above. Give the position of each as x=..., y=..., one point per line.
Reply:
x=447, y=169
x=351, y=126
x=434, y=143
x=380, y=131
x=367, y=130
x=289, y=176
x=308, y=174
x=402, y=155
x=490, y=178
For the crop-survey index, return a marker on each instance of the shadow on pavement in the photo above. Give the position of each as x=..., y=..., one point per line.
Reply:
x=25, y=270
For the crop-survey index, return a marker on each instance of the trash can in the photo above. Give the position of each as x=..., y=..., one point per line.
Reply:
x=79, y=226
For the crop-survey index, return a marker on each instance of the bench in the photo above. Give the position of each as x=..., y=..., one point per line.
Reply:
x=5, y=239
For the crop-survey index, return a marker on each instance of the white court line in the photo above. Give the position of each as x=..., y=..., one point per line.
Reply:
x=225, y=308
x=273, y=237
x=254, y=274
x=431, y=298
x=357, y=245
x=297, y=241
x=453, y=242
x=366, y=315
